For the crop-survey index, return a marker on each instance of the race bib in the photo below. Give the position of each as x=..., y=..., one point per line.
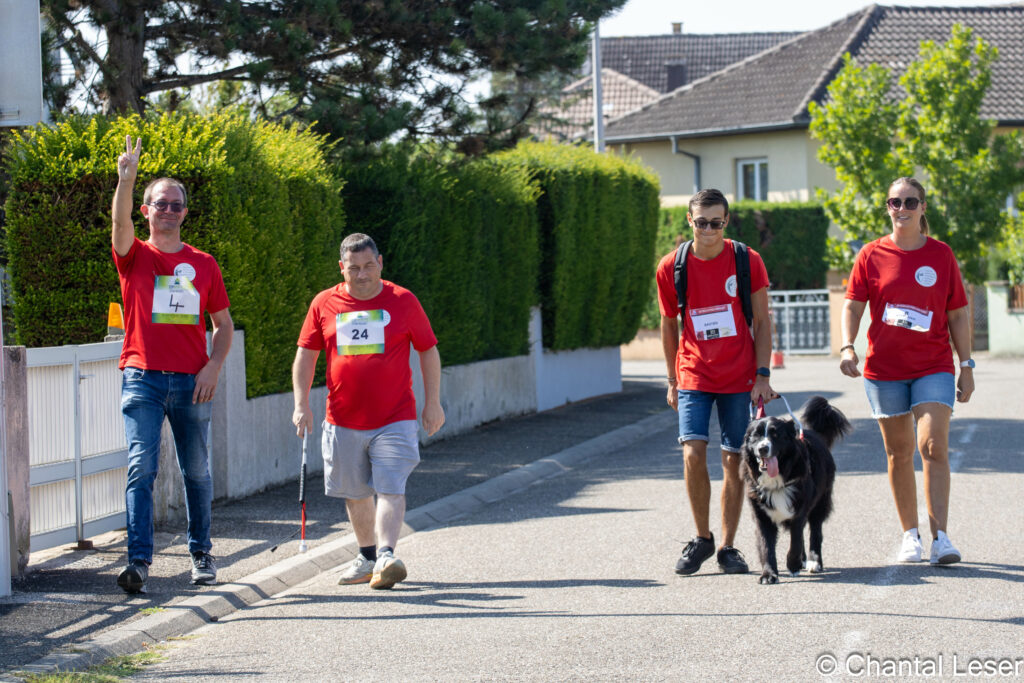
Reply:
x=907, y=317
x=175, y=301
x=713, y=322
x=360, y=332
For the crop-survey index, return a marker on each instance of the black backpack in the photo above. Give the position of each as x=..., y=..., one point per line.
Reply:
x=742, y=255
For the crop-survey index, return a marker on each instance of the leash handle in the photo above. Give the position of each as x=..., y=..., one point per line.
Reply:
x=761, y=413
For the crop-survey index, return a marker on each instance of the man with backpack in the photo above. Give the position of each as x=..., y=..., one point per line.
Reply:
x=719, y=288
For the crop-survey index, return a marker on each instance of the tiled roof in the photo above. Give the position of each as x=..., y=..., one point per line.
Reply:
x=575, y=115
x=648, y=59
x=1001, y=26
x=772, y=89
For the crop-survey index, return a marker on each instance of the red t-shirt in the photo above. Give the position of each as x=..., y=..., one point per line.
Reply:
x=369, y=381
x=909, y=293
x=716, y=352
x=165, y=298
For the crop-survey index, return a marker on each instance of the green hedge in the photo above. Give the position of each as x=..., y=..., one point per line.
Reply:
x=262, y=201
x=790, y=237
x=598, y=217
x=462, y=236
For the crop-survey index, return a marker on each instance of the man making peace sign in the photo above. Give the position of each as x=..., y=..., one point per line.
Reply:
x=167, y=287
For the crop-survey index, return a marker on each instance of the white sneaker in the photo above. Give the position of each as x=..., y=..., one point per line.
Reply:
x=388, y=571
x=943, y=551
x=910, y=550
x=358, y=570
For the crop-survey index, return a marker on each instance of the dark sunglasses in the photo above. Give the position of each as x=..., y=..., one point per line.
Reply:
x=706, y=225
x=173, y=207
x=895, y=203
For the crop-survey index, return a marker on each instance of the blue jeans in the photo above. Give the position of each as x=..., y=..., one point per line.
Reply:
x=695, y=417
x=147, y=396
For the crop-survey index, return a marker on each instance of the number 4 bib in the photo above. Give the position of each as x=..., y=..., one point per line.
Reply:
x=175, y=301
x=360, y=332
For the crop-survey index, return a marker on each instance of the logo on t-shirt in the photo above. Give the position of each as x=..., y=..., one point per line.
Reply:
x=186, y=271
x=926, y=276
x=730, y=285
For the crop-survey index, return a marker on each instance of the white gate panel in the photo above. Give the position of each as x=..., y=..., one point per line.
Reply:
x=53, y=507
x=102, y=426
x=103, y=494
x=77, y=450
x=51, y=415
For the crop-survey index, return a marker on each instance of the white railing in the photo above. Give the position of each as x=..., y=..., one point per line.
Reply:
x=78, y=455
x=801, y=318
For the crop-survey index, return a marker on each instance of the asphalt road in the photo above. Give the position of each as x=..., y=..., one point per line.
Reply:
x=572, y=578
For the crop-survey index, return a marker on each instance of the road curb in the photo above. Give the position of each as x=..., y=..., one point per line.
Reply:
x=183, y=617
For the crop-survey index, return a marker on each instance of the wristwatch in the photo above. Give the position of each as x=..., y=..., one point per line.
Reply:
x=969, y=363
x=764, y=372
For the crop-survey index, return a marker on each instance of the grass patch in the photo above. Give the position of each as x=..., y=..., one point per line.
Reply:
x=110, y=671
x=151, y=610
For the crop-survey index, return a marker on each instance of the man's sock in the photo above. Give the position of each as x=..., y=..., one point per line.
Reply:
x=369, y=552
x=387, y=549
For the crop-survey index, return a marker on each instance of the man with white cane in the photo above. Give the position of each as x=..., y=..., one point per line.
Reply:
x=370, y=444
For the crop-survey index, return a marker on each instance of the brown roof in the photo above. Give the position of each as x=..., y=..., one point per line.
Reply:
x=771, y=90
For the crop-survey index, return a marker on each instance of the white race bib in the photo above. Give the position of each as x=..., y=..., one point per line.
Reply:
x=713, y=322
x=907, y=317
x=175, y=301
x=360, y=332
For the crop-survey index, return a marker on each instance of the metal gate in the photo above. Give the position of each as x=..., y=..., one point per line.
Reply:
x=801, y=321
x=78, y=454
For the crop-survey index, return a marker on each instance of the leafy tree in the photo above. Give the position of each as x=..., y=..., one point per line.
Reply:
x=364, y=70
x=873, y=133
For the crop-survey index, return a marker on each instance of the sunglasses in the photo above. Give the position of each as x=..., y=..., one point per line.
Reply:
x=173, y=207
x=702, y=224
x=910, y=203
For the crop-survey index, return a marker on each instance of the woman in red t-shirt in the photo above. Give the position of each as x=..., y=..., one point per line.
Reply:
x=913, y=286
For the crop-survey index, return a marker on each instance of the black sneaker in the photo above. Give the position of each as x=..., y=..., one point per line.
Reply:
x=204, y=570
x=731, y=561
x=694, y=554
x=133, y=577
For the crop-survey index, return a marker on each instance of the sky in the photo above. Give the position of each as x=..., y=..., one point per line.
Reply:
x=654, y=17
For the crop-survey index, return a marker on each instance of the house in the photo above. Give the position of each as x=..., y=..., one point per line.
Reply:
x=636, y=70
x=744, y=128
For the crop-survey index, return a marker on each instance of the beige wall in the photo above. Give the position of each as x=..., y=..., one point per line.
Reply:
x=793, y=170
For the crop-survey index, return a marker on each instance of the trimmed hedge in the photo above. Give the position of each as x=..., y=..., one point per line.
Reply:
x=463, y=237
x=262, y=201
x=791, y=238
x=598, y=215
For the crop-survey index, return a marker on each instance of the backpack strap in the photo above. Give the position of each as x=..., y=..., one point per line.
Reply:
x=742, y=254
x=680, y=273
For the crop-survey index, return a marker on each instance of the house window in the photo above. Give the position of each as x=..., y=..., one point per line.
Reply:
x=752, y=179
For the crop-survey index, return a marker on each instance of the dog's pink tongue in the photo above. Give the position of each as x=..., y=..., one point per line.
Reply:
x=771, y=466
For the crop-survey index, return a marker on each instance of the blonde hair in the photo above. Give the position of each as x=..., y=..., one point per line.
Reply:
x=921, y=194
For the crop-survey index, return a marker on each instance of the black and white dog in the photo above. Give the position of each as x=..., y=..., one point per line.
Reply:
x=789, y=473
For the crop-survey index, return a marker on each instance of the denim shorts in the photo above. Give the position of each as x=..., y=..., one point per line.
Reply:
x=359, y=463
x=695, y=417
x=898, y=397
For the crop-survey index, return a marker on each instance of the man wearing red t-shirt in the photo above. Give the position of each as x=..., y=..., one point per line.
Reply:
x=167, y=287
x=370, y=443
x=718, y=360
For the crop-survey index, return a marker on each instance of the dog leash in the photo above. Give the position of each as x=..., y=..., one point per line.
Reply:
x=761, y=413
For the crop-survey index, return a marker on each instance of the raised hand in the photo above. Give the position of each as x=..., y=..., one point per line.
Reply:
x=128, y=163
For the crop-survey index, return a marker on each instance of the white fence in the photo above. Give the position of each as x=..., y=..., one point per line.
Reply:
x=78, y=455
x=801, y=319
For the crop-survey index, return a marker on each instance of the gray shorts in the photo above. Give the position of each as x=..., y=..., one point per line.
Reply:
x=359, y=463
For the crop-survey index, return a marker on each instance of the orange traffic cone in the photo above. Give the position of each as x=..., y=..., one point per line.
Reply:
x=115, y=322
x=778, y=361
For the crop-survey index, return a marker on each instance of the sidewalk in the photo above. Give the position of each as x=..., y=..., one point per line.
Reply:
x=68, y=609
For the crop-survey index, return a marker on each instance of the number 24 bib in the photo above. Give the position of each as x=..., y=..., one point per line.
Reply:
x=361, y=332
